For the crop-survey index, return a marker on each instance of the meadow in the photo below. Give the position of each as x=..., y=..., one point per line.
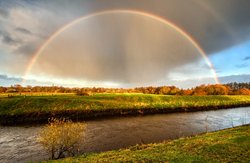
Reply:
x=39, y=107
x=230, y=145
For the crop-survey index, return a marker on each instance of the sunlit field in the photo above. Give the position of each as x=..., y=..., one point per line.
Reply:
x=34, y=94
x=49, y=103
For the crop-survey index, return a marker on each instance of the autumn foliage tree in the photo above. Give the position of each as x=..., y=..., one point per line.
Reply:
x=61, y=138
x=186, y=92
x=211, y=89
x=217, y=89
x=243, y=91
x=200, y=91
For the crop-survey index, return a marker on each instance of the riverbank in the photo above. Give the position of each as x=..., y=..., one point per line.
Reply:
x=37, y=109
x=229, y=145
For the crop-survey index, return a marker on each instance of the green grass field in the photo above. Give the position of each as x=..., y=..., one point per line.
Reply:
x=68, y=102
x=230, y=145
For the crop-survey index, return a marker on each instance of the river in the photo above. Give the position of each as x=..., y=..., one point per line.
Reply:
x=18, y=144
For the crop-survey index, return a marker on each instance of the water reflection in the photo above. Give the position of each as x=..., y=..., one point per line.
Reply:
x=18, y=144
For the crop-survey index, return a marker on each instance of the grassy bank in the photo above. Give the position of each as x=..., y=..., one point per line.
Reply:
x=230, y=145
x=21, y=109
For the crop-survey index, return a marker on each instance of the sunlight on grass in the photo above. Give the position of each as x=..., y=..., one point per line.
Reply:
x=230, y=145
x=38, y=104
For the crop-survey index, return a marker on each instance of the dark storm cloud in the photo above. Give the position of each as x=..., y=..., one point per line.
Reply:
x=8, y=39
x=215, y=25
x=119, y=47
x=26, y=49
x=23, y=48
x=23, y=30
x=4, y=13
x=236, y=22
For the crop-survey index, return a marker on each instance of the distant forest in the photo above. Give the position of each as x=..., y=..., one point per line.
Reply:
x=212, y=89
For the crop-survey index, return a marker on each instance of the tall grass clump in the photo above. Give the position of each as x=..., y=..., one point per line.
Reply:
x=62, y=137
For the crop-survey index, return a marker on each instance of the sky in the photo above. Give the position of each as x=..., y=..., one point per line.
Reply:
x=118, y=43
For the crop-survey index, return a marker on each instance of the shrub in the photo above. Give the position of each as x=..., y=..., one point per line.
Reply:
x=61, y=138
x=84, y=93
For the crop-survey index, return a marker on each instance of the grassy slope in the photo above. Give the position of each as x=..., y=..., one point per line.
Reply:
x=38, y=104
x=231, y=145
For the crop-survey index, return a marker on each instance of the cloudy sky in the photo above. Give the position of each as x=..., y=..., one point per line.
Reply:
x=126, y=45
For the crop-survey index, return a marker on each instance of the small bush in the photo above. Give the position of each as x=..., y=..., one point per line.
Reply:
x=87, y=93
x=61, y=138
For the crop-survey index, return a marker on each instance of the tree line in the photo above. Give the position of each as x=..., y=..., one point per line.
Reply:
x=211, y=89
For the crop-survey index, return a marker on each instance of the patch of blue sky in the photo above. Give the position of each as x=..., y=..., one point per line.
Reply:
x=232, y=61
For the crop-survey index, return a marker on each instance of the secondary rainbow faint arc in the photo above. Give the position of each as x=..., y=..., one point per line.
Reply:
x=136, y=12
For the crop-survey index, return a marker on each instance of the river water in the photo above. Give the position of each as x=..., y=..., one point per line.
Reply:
x=18, y=144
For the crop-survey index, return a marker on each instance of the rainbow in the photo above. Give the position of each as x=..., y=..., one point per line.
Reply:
x=39, y=51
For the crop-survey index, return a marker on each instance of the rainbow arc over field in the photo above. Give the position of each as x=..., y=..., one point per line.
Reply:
x=168, y=23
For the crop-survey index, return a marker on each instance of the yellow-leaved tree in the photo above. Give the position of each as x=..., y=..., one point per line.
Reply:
x=62, y=137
